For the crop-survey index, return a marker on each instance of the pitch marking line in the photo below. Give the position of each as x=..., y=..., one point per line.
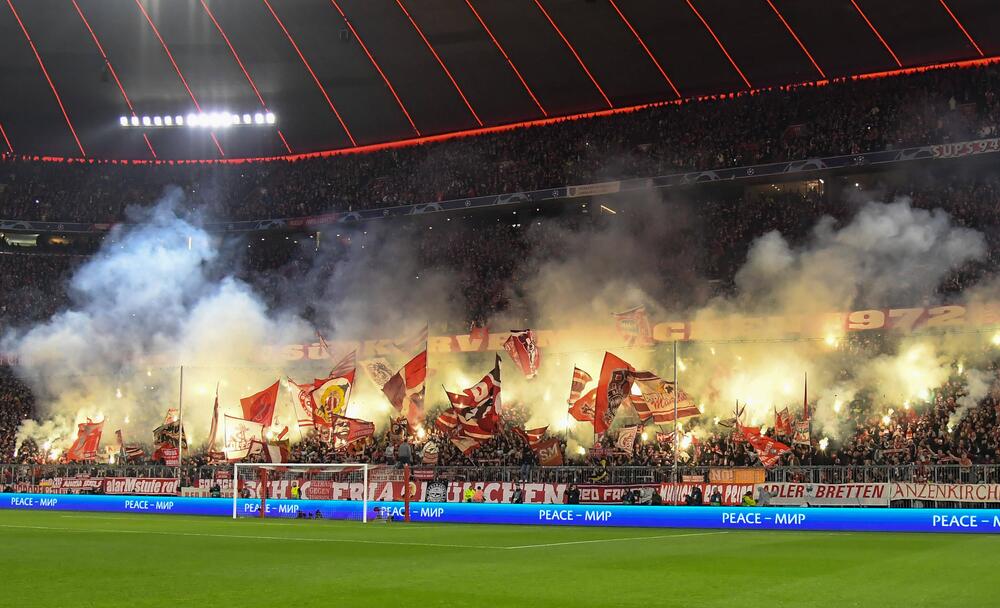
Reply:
x=359, y=541
x=613, y=540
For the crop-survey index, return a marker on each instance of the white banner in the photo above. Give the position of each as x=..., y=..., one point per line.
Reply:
x=827, y=494
x=946, y=492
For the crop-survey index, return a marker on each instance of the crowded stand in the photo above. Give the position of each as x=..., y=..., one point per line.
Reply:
x=487, y=253
x=839, y=118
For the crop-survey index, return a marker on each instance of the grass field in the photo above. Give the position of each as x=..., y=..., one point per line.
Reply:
x=79, y=559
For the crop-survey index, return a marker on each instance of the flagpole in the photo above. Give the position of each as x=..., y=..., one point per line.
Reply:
x=180, y=426
x=677, y=443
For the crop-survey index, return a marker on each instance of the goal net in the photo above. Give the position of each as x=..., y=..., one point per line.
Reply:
x=360, y=492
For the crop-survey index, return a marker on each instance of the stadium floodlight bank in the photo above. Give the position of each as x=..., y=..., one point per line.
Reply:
x=359, y=482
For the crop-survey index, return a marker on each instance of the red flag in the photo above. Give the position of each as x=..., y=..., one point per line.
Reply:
x=665, y=437
x=330, y=395
x=214, y=429
x=260, y=407
x=431, y=454
x=626, y=439
x=478, y=407
x=549, y=452
x=405, y=390
x=768, y=450
x=88, y=437
x=783, y=423
x=531, y=436
x=523, y=349
x=580, y=380
x=466, y=445
x=656, y=399
x=613, y=388
x=349, y=430
x=583, y=408
x=277, y=451
x=805, y=395
x=633, y=326
x=447, y=421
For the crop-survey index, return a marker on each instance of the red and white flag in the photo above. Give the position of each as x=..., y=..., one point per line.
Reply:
x=522, y=346
x=405, y=390
x=633, y=326
x=240, y=436
x=531, y=436
x=549, y=452
x=447, y=421
x=656, y=399
x=583, y=408
x=326, y=397
x=260, y=406
x=88, y=437
x=430, y=454
x=129, y=452
x=768, y=450
x=466, y=445
x=665, y=437
x=580, y=380
x=277, y=451
x=613, y=387
x=478, y=407
x=213, y=430
x=783, y=423
x=626, y=439
x=349, y=430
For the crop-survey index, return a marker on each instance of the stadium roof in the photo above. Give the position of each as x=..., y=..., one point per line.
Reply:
x=345, y=73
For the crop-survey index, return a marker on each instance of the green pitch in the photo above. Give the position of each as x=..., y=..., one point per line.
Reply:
x=80, y=559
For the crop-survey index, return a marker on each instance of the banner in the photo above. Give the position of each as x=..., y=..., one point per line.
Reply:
x=828, y=494
x=961, y=521
x=946, y=492
x=147, y=486
x=171, y=456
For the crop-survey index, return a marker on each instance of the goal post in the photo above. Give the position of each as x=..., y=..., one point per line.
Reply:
x=322, y=491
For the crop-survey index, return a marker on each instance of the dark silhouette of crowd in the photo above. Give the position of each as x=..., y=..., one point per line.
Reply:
x=840, y=118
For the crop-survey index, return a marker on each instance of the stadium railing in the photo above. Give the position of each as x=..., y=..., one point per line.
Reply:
x=11, y=474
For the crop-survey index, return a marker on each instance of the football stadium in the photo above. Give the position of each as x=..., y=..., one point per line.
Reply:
x=499, y=303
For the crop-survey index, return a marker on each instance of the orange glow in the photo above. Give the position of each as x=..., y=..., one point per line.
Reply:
x=719, y=42
x=795, y=36
x=646, y=48
x=877, y=34
x=315, y=78
x=52, y=85
x=538, y=3
x=961, y=27
x=416, y=141
x=440, y=62
x=378, y=68
x=505, y=56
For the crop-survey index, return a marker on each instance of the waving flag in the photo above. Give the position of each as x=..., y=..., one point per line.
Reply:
x=768, y=450
x=580, y=380
x=326, y=397
x=583, y=409
x=549, y=452
x=405, y=390
x=656, y=399
x=531, y=436
x=467, y=417
x=626, y=439
x=522, y=347
x=260, y=406
x=465, y=445
x=430, y=454
x=378, y=369
x=213, y=430
x=783, y=423
x=447, y=421
x=613, y=388
x=88, y=437
x=802, y=434
x=349, y=430
x=240, y=436
x=478, y=407
x=633, y=326
x=277, y=451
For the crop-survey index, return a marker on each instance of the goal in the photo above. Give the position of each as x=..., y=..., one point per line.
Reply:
x=355, y=491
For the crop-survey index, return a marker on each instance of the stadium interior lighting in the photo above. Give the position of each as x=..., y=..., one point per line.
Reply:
x=214, y=120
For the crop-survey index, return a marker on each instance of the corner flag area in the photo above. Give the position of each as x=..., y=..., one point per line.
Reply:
x=80, y=559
